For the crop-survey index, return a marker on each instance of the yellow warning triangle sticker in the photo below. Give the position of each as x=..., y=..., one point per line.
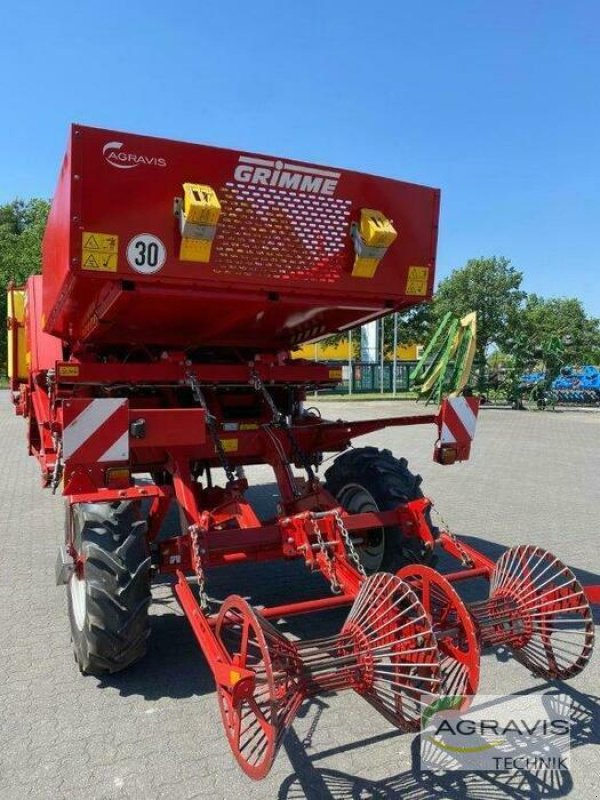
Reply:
x=91, y=243
x=90, y=262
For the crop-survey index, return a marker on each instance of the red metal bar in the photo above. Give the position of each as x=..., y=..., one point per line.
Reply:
x=41, y=408
x=593, y=593
x=250, y=541
x=308, y=606
x=301, y=607
x=108, y=495
x=183, y=487
x=174, y=371
x=158, y=512
x=179, y=435
x=467, y=574
x=277, y=450
x=371, y=519
x=331, y=435
x=216, y=656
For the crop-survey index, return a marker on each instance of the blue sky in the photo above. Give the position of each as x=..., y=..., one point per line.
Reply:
x=496, y=103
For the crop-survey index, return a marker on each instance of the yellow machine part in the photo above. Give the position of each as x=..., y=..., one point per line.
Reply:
x=198, y=221
x=17, y=356
x=195, y=250
x=376, y=229
x=375, y=234
x=200, y=204
x=365, y=267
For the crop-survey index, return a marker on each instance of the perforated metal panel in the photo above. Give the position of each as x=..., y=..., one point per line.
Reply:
x=268, y=232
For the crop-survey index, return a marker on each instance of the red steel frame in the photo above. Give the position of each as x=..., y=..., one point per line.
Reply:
x=224, y=524
x=176, y=442
x=229, y=530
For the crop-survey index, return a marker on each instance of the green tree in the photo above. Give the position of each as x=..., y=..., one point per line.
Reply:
x=22, y=226
x=492, y=288
x=415, y=326
x=543, y=318
x=337, y=338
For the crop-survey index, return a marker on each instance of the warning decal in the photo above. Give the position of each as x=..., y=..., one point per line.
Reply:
x=68, y=371
x=416, y=283
x=99, y=251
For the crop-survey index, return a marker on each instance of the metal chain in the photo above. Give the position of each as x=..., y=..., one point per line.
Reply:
x=211, y=423
x=466, y=559
x=352, y=554
x=58, y=468
x=327, y=557
x=298, y=455
x=198, y=566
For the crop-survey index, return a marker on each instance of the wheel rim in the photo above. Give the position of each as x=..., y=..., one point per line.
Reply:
x=251, y=723
x=355, y=499
x=557, y=617
x=453, y=627
x=77, y=589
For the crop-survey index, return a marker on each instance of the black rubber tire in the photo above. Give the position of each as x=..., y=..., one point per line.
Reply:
x=389, y=482
x=108, y=607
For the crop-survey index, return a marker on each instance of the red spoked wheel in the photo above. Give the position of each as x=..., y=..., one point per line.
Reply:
x=453, y=628
x=539, y=609
x=386, y=651
x=248, y=708
x=395, y=642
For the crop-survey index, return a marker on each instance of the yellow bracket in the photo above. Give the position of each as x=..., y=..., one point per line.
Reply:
x=372, y=237
x=376, y=229
x=200, y=204
x=198, y=218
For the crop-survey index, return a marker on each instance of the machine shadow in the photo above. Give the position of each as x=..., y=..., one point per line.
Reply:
x=494, y=550
x=315, y=783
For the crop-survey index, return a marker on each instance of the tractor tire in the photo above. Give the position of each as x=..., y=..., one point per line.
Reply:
x=108, y=604
x=368, y=479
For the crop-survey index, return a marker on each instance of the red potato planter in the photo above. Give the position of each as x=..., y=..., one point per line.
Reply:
x=177, y=278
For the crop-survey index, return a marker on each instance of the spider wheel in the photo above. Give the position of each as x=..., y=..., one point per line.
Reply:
x=249, y=717
x=453, y=627
x=555, y=611
x=395, y=641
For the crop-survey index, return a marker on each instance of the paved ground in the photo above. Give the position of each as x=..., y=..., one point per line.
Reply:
x=155, y=730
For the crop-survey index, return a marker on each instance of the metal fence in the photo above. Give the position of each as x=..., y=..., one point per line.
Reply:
x=368, y=378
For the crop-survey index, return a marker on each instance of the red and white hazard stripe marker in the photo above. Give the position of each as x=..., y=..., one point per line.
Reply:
x=96, y=431
x=457, y=420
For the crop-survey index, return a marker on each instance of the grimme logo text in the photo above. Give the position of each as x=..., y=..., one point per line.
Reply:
x=281, y=175
x=117, y=157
